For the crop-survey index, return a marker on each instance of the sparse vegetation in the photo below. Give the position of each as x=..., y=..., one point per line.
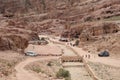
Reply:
x=63, y=74
x=49, y=68
x=43, y=39
x=77, y=42
x=105, y=72
x=37, y=69
x=7, y=64
x=113, y=18
x=49, y=64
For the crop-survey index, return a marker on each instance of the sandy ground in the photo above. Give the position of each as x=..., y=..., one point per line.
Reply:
x=78, y=73
x=67, y=52
x=105, y=72
x=106, y=68
x=43, y=69
x=45, y=49
x=10, y=55
x=76, y=69
x=23, y=74
x=94, y=58
x=8, y=60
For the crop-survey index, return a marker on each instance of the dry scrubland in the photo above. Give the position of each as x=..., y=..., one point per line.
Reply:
x=8, y=60
x=105, y=72
x=46, y=69
x=22, y=20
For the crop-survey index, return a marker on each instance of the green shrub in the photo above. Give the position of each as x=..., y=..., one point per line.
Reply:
x=62, y=73
x=68, y=78
x=49, y=64
x=43, y=39
x=38, y=70
x=77, y=42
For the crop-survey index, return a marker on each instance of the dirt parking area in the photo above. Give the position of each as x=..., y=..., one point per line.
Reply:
x=49, y=49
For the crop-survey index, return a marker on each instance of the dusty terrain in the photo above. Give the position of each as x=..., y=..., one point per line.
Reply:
x=22, y=73
x=30, y=19
x=46, y=68
x=8, y=60
x=95, y=23
x=76, y=69
x=102, y=66
x=45, y=50
x=105, y=72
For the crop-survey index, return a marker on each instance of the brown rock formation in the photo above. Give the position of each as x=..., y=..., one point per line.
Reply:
x=23, y=17
x=98, y=29
x=14, y=36
x=13, y=42
x=90, y=31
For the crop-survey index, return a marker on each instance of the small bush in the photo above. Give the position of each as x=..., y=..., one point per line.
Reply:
x=77, y=42
x=62, y=73
x=43, y=39
x=38, y=70
x=49, y=64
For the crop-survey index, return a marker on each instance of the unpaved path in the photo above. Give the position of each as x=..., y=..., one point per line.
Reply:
x=94, y=57
x=23, y=74
x=76, y=69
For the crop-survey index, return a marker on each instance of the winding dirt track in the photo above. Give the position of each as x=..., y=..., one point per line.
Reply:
x=94, y=57
x=23, y=74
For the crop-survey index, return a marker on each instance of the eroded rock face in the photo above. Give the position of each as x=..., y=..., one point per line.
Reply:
x=16, y=40
x=98, y=29
x=13, y=42
x=89, y=31
x=72, y=10
x=15, y=37
x=111, y=42
x=27, y=21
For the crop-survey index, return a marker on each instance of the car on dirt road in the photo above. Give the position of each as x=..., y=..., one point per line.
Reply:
x=104, y=54
x=31, y=53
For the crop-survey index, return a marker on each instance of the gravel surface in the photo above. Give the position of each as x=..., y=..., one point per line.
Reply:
x=105, y=72
x=67, y=52
x=78, y=73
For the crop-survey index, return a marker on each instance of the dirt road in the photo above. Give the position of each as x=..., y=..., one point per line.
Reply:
x=23, y=74
x=94, y=58
x=76, y=69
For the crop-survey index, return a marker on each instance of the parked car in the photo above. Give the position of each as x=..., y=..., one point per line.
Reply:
x=31, y=53
x=104, y=54
x=63, y=39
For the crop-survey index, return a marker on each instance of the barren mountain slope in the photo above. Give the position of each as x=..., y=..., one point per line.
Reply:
x=54, y=17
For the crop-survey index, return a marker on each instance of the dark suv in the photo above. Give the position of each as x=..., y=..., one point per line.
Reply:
x=104, y=54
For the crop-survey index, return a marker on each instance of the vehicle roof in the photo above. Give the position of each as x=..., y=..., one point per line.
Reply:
x=31, y=51
x=104, y=52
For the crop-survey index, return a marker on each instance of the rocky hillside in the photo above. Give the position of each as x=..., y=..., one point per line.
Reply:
x=24, y=19
x=71, y=10
x=14, y=36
